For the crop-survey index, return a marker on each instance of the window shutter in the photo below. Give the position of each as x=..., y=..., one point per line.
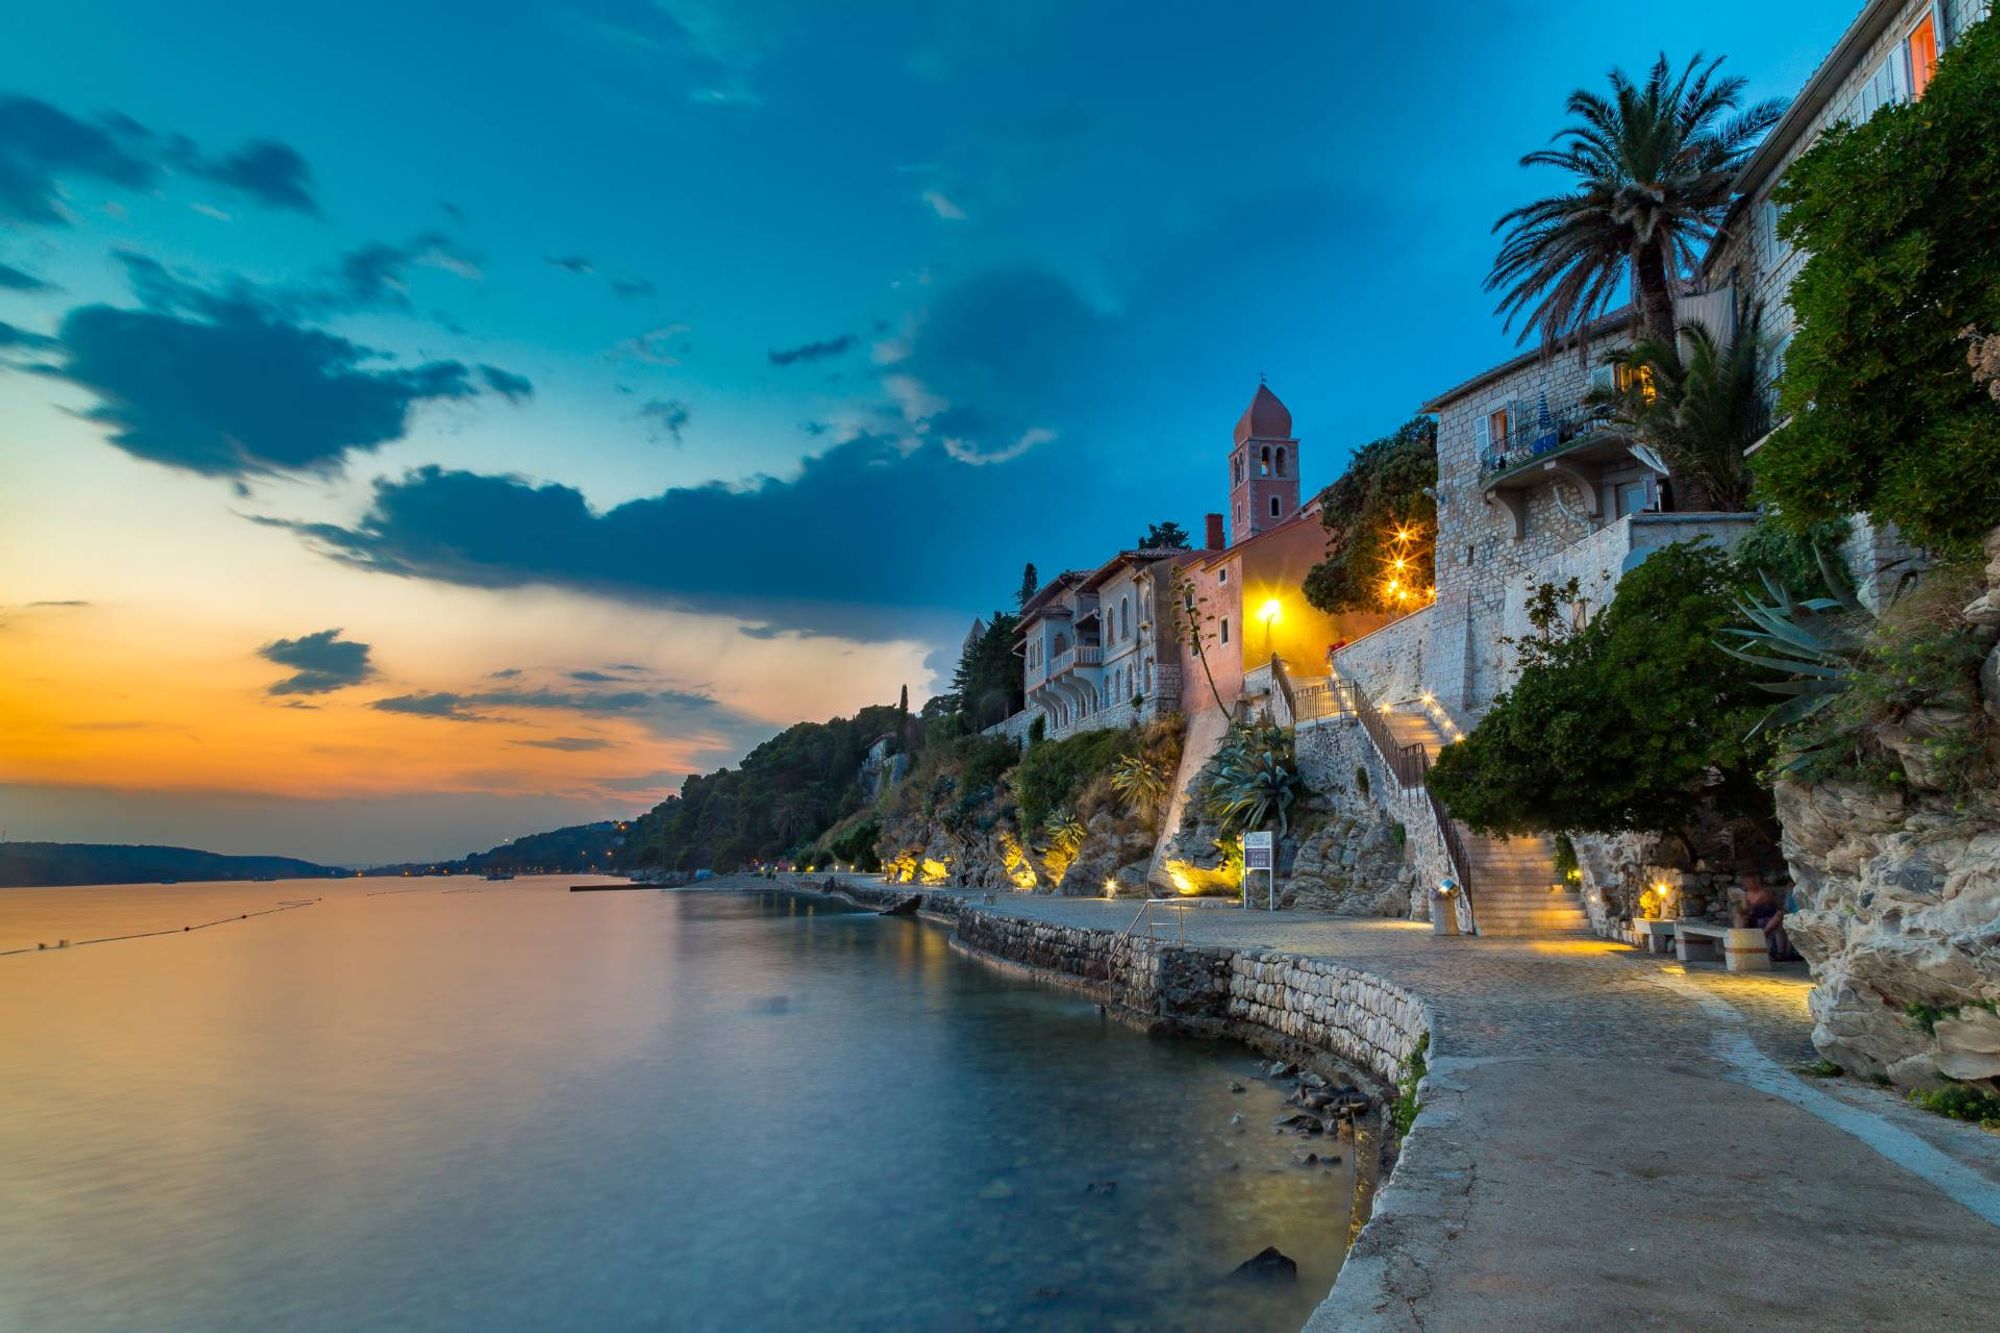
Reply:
x=1482, y=436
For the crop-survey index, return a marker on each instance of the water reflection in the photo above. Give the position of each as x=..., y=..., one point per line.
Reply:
x=522, y=1108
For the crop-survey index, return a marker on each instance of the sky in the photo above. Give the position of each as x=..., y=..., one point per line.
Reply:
x=425, y=424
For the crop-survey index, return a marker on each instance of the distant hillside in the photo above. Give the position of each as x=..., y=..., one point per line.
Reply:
x=35, y=864
x=574, y=850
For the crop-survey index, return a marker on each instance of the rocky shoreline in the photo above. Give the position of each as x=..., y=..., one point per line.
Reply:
x=1332, y=1030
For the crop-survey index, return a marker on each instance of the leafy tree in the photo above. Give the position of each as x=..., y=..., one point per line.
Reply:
x=1698, y=412
x=1653, y=169
x=988, y=680
x=1164, y=536
x=1388, y=488
x=1900, y=219
x=1191, y=625
x=1031, y=583
x=1630, y=722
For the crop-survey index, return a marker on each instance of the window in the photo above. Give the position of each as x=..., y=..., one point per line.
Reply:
x=1124, y=617
x=1496, y=428
x=1225, y=629
x=1264, y=461
x=1222, y=575
x=1274, y=506
x=1921, y=48
x=1281, y=462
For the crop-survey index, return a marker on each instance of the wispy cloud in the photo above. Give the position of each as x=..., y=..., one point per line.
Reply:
x=321, y=663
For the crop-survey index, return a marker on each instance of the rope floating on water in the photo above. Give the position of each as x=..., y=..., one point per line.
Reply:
x=289, y=906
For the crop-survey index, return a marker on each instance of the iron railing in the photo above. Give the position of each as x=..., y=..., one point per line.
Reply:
x=1410, y=765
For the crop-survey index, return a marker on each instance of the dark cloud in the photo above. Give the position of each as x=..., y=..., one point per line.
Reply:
x=596, y=677
x=514, y=388
x=229, y=383
x=666, y=418
x=626, y=289
x=322, y=662
x=19, y=280
x=1001, y=363
x=237, y=391
x=580, y=265
x=505, y=673
x=810, y=566
x=452, y=707
x=272, y=173
x=815, y=429
x=662, y=711
x=377, y=274
x=14, y=336
x=813, y=351
x=42, y=145
x=570, y=744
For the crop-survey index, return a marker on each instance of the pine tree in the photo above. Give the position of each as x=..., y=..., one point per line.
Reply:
x=1031, y=583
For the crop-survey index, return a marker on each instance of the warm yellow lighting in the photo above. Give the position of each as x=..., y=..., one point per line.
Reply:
x=1269, y=611
x=1110, y=888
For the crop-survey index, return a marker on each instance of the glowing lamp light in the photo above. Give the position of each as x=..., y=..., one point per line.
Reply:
x=1270, y=611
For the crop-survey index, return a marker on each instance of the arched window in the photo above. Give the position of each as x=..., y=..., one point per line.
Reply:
x=1281, y=462
x=1274, y=506
x=1264, y=461
x=1125, y=617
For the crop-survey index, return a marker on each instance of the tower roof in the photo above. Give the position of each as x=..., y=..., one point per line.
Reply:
x=1265, y=419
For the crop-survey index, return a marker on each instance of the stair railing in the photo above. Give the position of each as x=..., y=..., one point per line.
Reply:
x=1411, y=765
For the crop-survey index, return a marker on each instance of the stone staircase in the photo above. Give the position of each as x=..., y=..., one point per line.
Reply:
x=1512, y=878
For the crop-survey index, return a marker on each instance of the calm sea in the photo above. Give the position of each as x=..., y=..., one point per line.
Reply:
x=465, y=1106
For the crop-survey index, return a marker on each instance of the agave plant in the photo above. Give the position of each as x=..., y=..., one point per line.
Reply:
x=1064, y=832
x=1144, y=782
x=1817, y=643
x=1256, y=780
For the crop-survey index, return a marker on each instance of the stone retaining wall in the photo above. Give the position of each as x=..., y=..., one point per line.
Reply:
x=1276, y=1002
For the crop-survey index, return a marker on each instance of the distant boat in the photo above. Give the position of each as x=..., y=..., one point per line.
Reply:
x=499, y=874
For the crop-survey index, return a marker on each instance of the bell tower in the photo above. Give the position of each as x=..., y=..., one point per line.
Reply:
x=1263, y=468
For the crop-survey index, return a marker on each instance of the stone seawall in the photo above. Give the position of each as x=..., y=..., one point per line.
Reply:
x=1300, y=1008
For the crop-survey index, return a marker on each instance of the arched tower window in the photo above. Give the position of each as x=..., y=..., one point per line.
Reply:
x=1124, y=617
x=1274, y=506
x=1264, y=461
x=1281, y=462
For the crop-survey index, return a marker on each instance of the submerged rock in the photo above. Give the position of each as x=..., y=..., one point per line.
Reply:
x=1267, y=1265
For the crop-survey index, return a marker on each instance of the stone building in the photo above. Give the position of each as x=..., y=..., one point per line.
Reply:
x=1095, y=652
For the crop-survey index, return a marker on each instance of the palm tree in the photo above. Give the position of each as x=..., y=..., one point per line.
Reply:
x=1699, y=412
x=1654, y=167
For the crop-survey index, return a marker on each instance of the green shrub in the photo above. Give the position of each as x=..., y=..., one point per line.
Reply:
x=1633, y=722
x=1403, y=1113
x=1038, y=729
x=1960, y=1101
x=1052, y=774
x=1568, y=870
x=982, y=759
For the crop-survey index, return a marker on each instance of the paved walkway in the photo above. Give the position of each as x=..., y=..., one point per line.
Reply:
x=1613, y=1141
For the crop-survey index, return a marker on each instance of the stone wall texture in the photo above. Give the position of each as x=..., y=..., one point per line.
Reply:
x=1274, y=1001
x=1390, y=662
x=1898, y=891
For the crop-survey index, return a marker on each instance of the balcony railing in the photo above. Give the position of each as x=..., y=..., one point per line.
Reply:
x=1534, y=434
x=1083, y=655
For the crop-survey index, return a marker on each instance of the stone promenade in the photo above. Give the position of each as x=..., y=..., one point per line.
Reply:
x=1611, y=1141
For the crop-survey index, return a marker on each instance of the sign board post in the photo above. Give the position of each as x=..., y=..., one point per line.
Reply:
x=1259, y=854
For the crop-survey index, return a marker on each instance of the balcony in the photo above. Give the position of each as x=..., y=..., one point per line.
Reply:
x=1083, y=655
x=1575, y=444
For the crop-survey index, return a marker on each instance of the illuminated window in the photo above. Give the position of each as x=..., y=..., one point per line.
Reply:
x=1264, y=461
x=1496, y=428
x=1922, y=50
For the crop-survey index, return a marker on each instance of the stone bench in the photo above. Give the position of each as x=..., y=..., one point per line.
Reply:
x=1653, y=936
x=1739, y=948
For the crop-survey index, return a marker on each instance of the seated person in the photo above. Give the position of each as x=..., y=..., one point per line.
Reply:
x=1762, y=910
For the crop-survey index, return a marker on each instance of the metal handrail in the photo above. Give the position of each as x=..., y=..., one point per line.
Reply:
x=1411, y=764
x=1146, y=907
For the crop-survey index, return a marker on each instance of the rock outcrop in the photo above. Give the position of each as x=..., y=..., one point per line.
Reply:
x=1899, y=892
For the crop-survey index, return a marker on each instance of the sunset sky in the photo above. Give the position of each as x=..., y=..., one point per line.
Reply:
x=423, y=424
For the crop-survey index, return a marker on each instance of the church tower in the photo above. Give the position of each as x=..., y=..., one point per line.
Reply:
x=1263, y=468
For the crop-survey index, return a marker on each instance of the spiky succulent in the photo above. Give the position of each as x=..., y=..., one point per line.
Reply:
x=1816, y=643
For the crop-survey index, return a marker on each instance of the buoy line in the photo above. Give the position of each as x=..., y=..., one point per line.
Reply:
x=45, y=947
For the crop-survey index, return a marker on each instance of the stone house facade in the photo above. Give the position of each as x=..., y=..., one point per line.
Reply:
x=1095, y=652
